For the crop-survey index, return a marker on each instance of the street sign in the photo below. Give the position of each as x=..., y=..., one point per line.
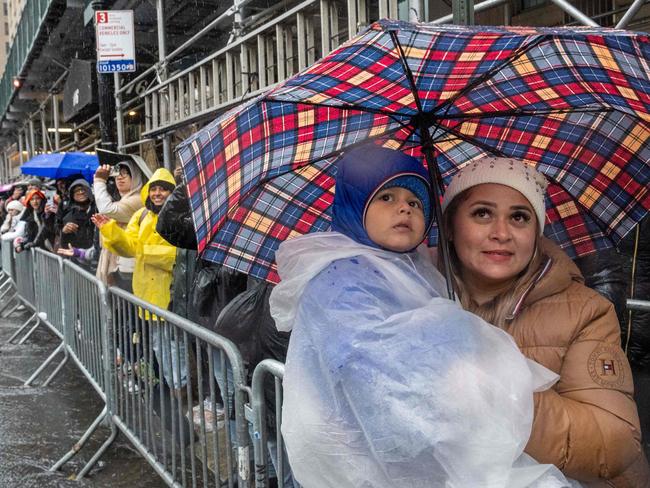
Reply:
x=115, y=41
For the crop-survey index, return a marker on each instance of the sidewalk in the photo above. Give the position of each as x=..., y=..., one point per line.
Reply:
x=39, y=425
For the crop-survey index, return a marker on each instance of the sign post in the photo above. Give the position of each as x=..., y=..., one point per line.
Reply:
x=115, y=41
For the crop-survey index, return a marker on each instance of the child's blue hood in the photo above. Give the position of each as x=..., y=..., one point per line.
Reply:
x=359, y=173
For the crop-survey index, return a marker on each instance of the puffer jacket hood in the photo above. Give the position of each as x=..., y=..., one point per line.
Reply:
x=560, y=273
x=161, y=174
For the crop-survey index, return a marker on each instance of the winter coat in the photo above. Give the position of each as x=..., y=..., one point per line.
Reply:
x=10, y=223
x=587, y=424
x=39, y=225
x=154, y=256
x=203, y=288
x=80, y=215
x=121, y=211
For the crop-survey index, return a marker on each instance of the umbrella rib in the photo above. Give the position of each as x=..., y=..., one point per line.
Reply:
x=344, y=106
x=474, y=142
x=516, y=112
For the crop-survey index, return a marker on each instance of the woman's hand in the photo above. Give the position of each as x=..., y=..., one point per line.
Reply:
x=100, y=220
x=178, y=174
x=103, y=172
x=70, y=228
x=66, y=252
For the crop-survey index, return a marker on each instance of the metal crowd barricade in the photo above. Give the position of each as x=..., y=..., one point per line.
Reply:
x=638, y=305
x=167, y=381
x=24, y=282
x=7, y=258
x=24, y=277
x=258, y=416
x=86, y=340
x=8, y=295
x=48, y=293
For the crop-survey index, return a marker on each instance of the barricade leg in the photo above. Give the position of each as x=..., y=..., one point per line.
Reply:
x=8, y=290
x=31, y=331
x=51, y=357
x=23, y=327
x=99, y=453
x=77, y=447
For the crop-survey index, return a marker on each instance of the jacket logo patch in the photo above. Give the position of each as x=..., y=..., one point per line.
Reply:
x=605, y=366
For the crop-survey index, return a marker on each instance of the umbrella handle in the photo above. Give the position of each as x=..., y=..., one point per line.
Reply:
x=436, y=186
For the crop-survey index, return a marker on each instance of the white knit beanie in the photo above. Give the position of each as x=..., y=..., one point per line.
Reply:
x=504, y=171
x=15, y=205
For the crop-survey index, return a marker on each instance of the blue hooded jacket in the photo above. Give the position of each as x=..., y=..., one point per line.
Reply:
x=364, y=170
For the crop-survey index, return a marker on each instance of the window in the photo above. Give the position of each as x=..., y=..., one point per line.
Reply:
x=5, y=9
x=6, y=29
x=7, y=48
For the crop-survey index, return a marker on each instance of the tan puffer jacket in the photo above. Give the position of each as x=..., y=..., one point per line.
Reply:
x=587, y=424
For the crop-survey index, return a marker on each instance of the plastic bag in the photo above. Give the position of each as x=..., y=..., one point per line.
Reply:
x=388, y=385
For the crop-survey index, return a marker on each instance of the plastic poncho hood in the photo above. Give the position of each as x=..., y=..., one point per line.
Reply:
x=364, y=170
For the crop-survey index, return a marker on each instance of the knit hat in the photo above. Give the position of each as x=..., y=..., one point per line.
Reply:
x=15, y=205
x=362, y=172
x=504, y=171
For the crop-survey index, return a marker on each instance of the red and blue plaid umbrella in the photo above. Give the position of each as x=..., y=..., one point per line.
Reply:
x=575, y=102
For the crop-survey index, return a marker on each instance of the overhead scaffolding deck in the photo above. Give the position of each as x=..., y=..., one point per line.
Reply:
x=196, y=59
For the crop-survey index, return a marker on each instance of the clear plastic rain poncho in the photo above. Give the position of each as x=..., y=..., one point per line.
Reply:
x=389, y=385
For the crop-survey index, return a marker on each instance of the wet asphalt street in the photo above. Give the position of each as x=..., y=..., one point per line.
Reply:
x=39, y=425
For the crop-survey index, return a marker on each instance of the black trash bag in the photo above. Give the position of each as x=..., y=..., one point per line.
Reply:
x=214, y=287
x=604, y=271
x=247, y=321
x=638, y=343
x=239, y=321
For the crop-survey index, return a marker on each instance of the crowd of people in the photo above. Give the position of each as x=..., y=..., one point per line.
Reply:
x=346, y=295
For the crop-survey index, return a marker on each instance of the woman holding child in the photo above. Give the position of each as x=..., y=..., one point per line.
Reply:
x=389, y=384
x=506, y=272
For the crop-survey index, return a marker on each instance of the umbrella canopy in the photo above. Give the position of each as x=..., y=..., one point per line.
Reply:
x=62, y=165
x=575, y=102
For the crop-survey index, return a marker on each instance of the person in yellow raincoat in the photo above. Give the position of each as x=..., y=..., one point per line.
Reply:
x=154, y=261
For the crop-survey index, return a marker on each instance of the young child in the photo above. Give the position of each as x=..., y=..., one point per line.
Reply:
x=387, y=383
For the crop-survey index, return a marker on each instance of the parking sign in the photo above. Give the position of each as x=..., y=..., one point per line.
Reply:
x=115, y=41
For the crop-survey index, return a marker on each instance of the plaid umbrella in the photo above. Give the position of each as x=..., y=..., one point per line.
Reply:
x=573, y=102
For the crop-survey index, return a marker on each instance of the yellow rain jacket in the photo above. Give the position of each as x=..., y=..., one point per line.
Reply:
x=154, y=256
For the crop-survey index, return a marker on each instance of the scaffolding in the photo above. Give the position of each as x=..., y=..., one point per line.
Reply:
x=261, y=47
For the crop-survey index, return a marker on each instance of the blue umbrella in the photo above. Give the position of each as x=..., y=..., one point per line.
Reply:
x=62, y=165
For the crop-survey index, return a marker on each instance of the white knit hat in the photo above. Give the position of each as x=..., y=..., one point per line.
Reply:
x=15, y=205
x=504, y=171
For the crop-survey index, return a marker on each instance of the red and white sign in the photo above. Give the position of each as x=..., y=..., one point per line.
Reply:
x=115, y=41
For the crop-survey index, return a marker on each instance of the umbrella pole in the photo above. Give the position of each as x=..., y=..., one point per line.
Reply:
x=436, y=186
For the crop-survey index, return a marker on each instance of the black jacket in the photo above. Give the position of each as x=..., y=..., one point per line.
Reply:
x=74, y=213
x=39, y=228
x=201, y=289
